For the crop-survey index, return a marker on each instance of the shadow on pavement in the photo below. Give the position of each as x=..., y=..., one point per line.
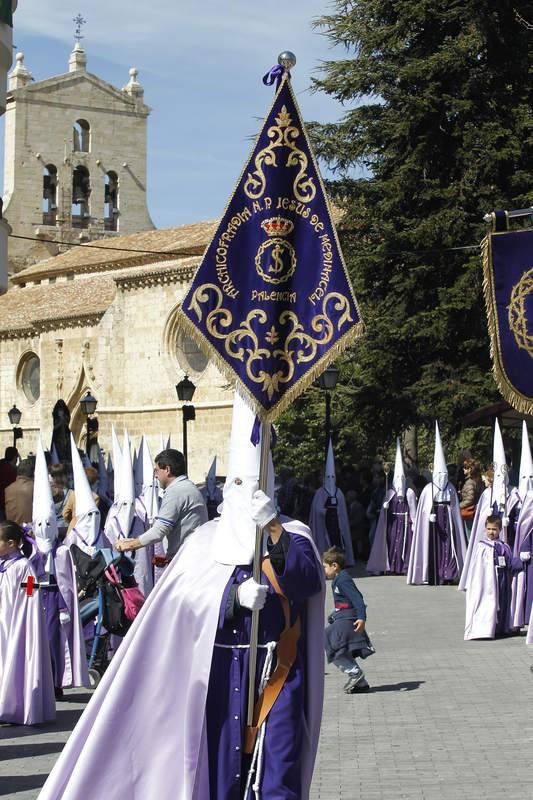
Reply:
x=66, y=719
x=405, y=686
x=9, y=752
x=10, y=784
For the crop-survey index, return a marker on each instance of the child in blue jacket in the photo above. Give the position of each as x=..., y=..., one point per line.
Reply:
x=345, y=636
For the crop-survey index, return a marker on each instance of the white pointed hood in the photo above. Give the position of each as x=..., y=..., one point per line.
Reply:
x=149, y=484
x=87, y=514
x=234, y=542
x=211, y=479
x=399, y=483
x=525, y=483
x=441, y=491
x=501, y=473
x=330, y=481
x=43, y=511
x=117, y=457
x=125, y=489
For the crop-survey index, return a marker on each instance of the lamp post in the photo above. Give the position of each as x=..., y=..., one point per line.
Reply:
x=328, y=381
x=88, y=405
x=15, y=415
x=185, y=390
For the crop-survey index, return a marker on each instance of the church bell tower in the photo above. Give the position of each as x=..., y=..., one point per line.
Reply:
x=75, y=160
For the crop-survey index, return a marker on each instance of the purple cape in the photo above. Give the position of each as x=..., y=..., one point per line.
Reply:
x=489, y=592
x=26, y=682
x=394, y=533
x=483, y=510
x=419, y=561
x=144, y=734
x=317, y=523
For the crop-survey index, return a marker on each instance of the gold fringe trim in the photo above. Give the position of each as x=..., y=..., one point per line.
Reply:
x=521, y=402
x=264, y=414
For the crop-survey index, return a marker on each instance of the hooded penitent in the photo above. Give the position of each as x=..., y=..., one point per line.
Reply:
x=58, y=592
x=234, y=544
x=496, y=499
x=191, y=748
x=522, y=586
x=439, y=543
x=328, y=518
x=441, y=490
x=86, y=530
x=43, y=514
x=391, y=547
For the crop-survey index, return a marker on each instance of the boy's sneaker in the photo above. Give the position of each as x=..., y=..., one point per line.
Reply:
x=359, y=688
x=354, y=680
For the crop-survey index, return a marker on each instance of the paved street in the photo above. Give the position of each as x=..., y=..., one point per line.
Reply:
x=445, y=719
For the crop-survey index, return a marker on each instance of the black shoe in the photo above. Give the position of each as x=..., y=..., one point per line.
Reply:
x=354, y=680
x=359, y=689
x=58, y=692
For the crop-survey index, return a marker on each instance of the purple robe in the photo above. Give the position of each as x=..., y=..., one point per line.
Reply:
x=154, y=737
x=522, y=594
x=26, y=682
x=319, y=530
x=437, y=546
x=488, y=597
x=484, y=509
x=67, y=644
x=394, y=534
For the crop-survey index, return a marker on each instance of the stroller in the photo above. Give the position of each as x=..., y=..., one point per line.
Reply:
x=101, y=602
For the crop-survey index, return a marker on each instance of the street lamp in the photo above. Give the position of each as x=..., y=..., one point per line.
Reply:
x=185, y=390
x=15, y=415
x=328, y=381
x=88, y=406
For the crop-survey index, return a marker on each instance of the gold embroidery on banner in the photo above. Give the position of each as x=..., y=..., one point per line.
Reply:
x=284, y=134
x=242, y=343
x=516, y=311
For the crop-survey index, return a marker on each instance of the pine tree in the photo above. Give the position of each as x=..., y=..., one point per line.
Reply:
x=438, y=130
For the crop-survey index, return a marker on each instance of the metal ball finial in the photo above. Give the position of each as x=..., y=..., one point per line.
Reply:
x=287, y=60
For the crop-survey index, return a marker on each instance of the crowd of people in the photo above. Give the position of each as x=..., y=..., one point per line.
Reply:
x=190, y=552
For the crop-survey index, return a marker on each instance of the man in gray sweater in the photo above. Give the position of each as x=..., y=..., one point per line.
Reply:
x=182, y=508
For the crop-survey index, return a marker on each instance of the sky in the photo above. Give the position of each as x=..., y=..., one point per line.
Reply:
x=201, y=65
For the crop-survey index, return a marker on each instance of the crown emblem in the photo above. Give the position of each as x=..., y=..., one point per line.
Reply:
x=277, y=226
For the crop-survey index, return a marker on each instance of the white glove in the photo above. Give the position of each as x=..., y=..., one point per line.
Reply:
x=252, y=595
x=263, y=510
x=64, y=617
x=525, y=556
x=505, y=522
x=386, y=505
x=432, y=517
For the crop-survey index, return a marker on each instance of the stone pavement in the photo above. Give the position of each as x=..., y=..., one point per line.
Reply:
x=445, y=719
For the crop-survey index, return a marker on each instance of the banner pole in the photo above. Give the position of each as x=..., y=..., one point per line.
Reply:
x=258, y=556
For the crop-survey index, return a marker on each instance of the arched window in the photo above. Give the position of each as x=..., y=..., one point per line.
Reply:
x=190, y=356
x=81, y=191
x=49, y=195
x=81, y=136
x=111, y=201
x=29, y=376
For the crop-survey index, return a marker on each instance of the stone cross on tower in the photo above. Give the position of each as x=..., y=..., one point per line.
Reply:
x=79, y=22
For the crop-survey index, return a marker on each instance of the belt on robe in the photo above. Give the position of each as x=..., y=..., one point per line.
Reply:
x=286, y=656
